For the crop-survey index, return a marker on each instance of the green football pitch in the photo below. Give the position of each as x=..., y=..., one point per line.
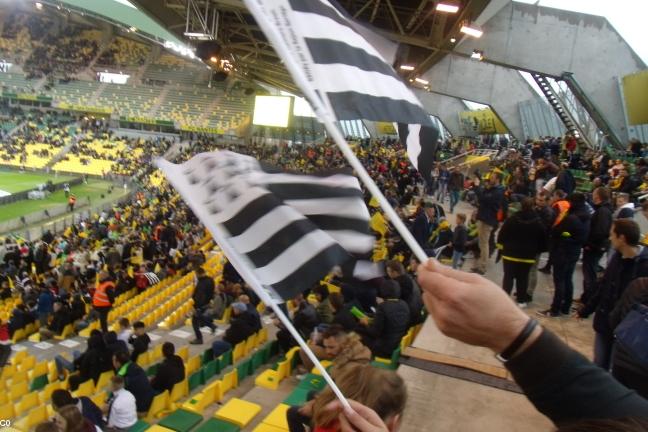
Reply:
x=14, y=181
x=94, y=189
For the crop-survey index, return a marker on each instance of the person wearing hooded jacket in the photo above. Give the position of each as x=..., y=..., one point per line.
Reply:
x=598, y=240
x=522, y=238
x=568, y=235
x=629, y=262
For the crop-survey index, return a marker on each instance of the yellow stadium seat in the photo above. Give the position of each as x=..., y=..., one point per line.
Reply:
x=239, y=352
x=158, y=406
x=86, y=388
x=27, y=402
x=212, y=393
x=277, y=417
x=18, y=357
x=46, y=394
x=143, y=359
x=238, y=412
x=20, y=376
x=158, y=428
x=264, y=427
x=104, y=379
x=262, y=335
x=41, y=368
x=250, y=344
x=193, y=365
x=18, y=390
x=35, y=416
x=226, y=316
x=270, y=379
x=183, y=353
x=100, y=398
x=27, y=363
x=180, y=390
x=229, y=381
x=9, y=370
x=325, y=363
x=68, y=330
x=7, y=411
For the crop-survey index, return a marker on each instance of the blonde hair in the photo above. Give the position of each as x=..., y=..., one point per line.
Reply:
x=382, y=390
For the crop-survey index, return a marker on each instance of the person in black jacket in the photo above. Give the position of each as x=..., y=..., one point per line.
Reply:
x=560, y=382
x=139, y=339
x=170, y=372
x=304, y=319
x=342, y=313
x=60, y=319
x=203, y=294
x=241, y=327
x=630, y=261
x=136, y=380
x=89, y=363
x=626, y=368
x=568, y=235
x=490, y=200
x=389, y=324
x=522, y=238
x=410, y=292
x=425, y=223
x=89, y=409
x=598, y=240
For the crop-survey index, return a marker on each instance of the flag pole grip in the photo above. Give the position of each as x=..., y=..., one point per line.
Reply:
x=326, y=116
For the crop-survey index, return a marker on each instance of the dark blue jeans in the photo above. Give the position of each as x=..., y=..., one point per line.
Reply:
x=591, y=259
x=454, y=199
x=220, y=347
x=564, y=263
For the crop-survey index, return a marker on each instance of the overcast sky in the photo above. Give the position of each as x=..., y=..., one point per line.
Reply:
x=627, y=16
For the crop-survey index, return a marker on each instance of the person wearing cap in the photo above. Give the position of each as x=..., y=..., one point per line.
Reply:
x=389, y=324
x=239, y=330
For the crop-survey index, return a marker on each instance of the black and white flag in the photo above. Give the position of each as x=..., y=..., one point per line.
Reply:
x=348, y=66
x=421, y=143
x=290, y=229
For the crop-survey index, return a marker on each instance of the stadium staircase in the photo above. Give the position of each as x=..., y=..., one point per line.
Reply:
x=152, y=113
x=60, y=155
x=577, y=112
x=213, y=106
x=97, y=94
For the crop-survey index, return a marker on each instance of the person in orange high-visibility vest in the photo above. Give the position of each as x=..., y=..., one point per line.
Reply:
x=103, y=298
x=71, y=201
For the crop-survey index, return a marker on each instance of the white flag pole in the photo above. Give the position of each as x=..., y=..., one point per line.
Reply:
x=248, y=275
x=328, y=119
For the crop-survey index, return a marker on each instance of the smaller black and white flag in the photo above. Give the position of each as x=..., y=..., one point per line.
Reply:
x=421, y=144
x=289, y=229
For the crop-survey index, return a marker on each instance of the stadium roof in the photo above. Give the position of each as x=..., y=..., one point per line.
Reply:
x=123, y=13
x=425, y=33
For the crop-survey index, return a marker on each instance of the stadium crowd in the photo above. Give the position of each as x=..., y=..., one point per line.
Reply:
x=74, y=277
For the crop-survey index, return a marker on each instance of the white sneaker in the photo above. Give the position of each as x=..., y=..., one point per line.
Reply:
x=522, y=305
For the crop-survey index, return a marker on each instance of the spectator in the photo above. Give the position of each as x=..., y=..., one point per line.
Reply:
x=139, y=340
x=630, y=261
x=170, y=372
x=304, y=319
x=389, y=324
x=425, y=223
x=135, y=380
x=240, y=329
x=62, y=317
x=598, y=240
x=45, y=306
x=121, y=409
x=341, y=313
x=124, y=330
x=490, y=202
x=252, y=311
x=103, y=298
x=455, y=186
x=323, y=308
x=459, y=240
x=522, y=239
x=624, y=208
x=5, y=343
x=410, y=292
x=62, y=398
x=202, y=296
x=568, y=235
x=70, y=419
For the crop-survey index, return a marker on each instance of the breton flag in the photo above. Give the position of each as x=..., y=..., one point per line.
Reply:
x=421, y=143
x=290, y=229
x=348, y=66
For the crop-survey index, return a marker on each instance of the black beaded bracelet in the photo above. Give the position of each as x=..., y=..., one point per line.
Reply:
x=506, y=355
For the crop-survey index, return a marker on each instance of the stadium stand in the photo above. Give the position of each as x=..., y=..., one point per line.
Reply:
x=129, y=100
x=124, y=52
x=74, y=92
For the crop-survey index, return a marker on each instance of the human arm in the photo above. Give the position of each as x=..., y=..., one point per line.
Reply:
x=560, y=382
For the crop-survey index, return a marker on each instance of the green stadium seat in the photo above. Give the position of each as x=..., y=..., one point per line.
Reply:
x=196, y=379
x=181, y=420
x=298, y=397
x=244, y=369
x=140, y=426
x=312, y=382
x=216, y=425
x=206, y=357
x=225, y=360
x=210, y=369
x=258, y=359
x=38, y=383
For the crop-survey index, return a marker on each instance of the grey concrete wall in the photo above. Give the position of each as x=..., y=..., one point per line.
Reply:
x=556, y=41
x=446, y=108
x=501, y=88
